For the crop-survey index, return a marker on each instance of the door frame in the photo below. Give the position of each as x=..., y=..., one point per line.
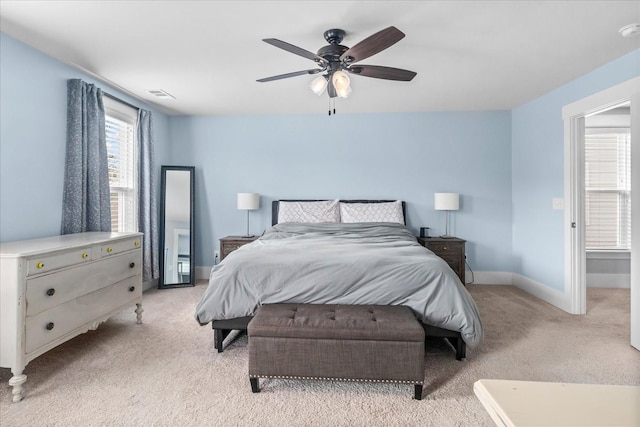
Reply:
x=574, y=242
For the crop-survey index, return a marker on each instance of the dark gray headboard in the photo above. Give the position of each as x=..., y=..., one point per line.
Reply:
x=276, y=204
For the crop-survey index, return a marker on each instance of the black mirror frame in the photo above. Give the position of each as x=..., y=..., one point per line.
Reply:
x=163, y=173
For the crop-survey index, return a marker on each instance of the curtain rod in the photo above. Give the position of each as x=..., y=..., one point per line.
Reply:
x=115, y=98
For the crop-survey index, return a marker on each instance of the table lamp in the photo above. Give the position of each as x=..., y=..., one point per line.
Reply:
x=248, y=202
x=447, y=202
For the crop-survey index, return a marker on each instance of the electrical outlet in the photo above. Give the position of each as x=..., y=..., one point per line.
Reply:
x=216, y=257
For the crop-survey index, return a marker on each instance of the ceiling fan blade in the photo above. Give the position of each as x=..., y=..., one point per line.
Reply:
x=373, y=44
x=378, y=72
x=286, y=76
x=295, y=49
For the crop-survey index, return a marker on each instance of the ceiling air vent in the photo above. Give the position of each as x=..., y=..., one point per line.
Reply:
x=161, y=94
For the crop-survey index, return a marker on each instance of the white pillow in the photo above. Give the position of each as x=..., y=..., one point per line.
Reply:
x=323, y=211
x=372, y=212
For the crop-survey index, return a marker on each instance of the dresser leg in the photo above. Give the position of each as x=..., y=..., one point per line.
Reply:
x=139, y=311
x=16, y=382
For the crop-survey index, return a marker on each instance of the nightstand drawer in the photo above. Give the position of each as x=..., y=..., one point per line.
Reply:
x=452, y=250
x=230, y=247
x=231, y=243
x=445, y=250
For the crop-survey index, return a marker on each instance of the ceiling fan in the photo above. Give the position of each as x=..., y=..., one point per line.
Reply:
x=339, y=61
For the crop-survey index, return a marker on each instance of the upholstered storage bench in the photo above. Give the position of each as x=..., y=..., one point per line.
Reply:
x=336, y=342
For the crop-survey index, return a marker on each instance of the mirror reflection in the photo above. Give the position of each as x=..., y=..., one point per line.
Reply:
x=177, y=226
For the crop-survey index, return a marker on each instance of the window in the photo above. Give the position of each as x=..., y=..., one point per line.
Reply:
x=608, y=188
x=120, y=127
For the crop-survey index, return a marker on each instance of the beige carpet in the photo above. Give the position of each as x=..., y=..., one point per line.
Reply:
x=165, y=372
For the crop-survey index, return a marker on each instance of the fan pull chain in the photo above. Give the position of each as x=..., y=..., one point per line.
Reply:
x=332, y=101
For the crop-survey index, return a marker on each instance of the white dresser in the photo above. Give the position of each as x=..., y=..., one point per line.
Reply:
x=56, y=288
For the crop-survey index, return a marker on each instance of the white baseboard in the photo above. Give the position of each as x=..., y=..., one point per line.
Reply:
x=490, y=278
x=545, y=293
x=203, y=273
x=597, y=280
x=151, y=284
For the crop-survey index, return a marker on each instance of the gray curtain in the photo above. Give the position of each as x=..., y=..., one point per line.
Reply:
x=86, y=204
x=147, y=211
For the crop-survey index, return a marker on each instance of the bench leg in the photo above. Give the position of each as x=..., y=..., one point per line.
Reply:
x=418, y=392
x=255, y=388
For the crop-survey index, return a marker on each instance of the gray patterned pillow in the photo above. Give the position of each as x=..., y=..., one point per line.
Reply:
x=372, y=212
x=323, y=211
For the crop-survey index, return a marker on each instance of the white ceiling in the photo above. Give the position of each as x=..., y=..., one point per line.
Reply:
x=469, y=55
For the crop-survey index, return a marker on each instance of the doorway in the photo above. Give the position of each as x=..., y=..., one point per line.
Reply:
x=607, y=162
x=575, y=242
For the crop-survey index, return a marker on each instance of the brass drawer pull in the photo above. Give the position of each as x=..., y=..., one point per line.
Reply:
x=109, y=250
x=40, y=265
x=445, y=248
x=85, y=255
x=136, y=243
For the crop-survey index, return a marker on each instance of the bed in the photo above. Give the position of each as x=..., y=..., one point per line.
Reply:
x=339, y=252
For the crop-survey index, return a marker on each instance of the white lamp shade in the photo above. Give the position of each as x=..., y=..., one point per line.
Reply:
x=248, y=201
x=446, y=201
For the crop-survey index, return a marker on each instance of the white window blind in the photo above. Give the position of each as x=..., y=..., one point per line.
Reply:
x=120, y=126
x=608, y=188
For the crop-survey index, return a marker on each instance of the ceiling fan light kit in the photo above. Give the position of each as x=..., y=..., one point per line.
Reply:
x=336, y=61
x=630, y=30
x=318, y=85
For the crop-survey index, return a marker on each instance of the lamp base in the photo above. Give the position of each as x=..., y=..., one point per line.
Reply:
x=446, y=236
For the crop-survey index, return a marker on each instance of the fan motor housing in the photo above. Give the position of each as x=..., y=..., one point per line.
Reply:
x=332, y=52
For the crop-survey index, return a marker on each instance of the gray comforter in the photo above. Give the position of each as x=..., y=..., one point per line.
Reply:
x=362, y=263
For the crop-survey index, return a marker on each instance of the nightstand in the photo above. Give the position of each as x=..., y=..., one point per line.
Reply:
x=231, y=243
x=451, y=250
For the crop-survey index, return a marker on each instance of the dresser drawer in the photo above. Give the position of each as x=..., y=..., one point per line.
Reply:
x=114, y=248
x=54, y=261
x=50, y=325
x=49, y=290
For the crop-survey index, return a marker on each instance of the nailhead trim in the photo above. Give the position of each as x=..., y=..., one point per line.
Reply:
x=293, y=377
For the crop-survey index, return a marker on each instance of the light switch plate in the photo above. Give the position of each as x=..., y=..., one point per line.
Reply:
x=557, y=204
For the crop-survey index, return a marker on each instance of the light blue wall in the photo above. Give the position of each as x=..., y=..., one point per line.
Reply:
x=33, y=116
x=507, y=166
x=390, y=156
x=538, y=171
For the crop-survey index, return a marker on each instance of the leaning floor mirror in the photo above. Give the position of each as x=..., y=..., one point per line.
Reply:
x=176, y=227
